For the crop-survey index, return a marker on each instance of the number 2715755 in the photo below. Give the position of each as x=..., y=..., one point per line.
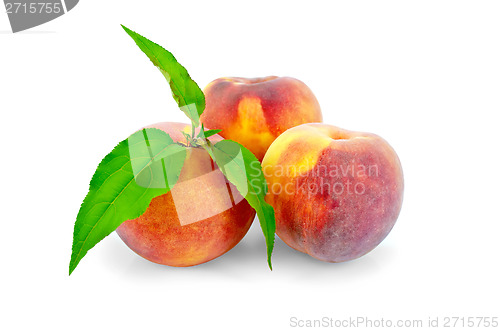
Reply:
x=471, y=322
x=33, y=8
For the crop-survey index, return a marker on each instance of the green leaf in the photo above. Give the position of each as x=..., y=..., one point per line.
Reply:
x=138, y=169
x=243, y=169
x=187, y=136
x=185, y=91
x=208, y=133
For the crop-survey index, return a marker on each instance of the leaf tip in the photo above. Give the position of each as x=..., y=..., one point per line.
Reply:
x=72, y=267
x=128, y=31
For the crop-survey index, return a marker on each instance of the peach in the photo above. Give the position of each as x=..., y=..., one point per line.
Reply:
x=254, y=112
x=202, y=217
x=336, y=193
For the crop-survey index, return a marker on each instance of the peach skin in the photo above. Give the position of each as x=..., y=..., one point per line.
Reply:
x=202, y=217
x=255, y=111
x=336, y=193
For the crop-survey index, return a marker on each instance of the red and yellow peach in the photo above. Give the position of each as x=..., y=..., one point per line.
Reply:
x=202, y=217
x=336, y=193
x=254, y=112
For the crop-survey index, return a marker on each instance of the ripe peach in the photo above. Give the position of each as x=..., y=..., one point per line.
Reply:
x=256, y=111
x=336, y=193
x=201, y=218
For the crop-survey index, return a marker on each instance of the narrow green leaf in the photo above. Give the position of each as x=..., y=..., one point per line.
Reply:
x=187, y=136
x=140, y=168
x=185, y=91
x=243, y=169
x=208, y=133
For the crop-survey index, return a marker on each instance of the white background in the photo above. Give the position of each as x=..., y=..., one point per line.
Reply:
x=425, y=75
